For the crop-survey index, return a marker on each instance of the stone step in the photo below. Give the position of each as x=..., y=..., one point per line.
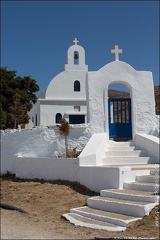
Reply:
x=143, y=166
x=142, y=186
x=155, y=171
x=141, y=172
x=135, y=167
x=127, y=160
x=122, y=148
x=148, y=178
x=131, y=195
x=141, y=169
x=115, y=208
x=113, y=143
x=136, y=153
x=133, y=208
x=78, y=220
x=104, y=216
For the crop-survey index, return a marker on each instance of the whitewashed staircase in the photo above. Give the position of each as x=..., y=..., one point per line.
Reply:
x=115, y=208
x=122, y=153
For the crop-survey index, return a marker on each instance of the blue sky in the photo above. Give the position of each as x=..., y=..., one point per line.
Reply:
x=35, y=35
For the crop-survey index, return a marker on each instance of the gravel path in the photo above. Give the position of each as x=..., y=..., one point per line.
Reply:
x=15, y=225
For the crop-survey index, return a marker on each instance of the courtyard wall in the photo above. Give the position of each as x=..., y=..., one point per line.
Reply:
x=47, y=168
x=39, y=142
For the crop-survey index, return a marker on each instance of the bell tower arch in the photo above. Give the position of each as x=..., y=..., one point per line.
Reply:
x=76, y=58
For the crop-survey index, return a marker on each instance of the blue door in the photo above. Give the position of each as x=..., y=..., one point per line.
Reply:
x=120, y=122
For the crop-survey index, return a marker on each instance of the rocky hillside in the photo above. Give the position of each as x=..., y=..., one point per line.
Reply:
x=157, y=99
x=119, y=94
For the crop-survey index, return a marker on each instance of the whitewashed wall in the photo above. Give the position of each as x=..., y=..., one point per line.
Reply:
x=97, y=178
x=47, y=168
x=149, y=143
x=94, y=150
x=49, y=109
x=28, y=154
x=39, y=142
x=140, y=84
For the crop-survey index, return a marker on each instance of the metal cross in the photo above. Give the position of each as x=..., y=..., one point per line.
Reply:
x=75, y=41
x=116, y=51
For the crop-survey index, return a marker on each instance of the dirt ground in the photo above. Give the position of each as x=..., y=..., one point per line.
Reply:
x=46, y=202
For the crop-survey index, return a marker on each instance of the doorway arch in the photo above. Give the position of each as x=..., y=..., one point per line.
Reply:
x=119, y=111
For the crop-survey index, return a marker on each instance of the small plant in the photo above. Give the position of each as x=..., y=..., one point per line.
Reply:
x=64, y=130
x=72, y=153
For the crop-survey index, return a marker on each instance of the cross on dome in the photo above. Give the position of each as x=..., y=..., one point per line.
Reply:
x=75, y=41
x=116, y=51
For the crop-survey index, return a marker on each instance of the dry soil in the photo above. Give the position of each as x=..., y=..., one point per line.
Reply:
x=47, y=201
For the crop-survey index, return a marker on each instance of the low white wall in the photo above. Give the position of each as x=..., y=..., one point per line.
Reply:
x=47, y=168
x=94, y=150
x=39, y=142
x=7, y=163
x=148, y=143
x=98, y=178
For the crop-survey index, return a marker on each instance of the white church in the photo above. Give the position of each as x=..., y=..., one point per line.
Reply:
x=81, y=96
x=126, y=174
x=65, y=96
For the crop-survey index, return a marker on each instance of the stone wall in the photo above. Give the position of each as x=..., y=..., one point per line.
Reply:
x=39, y=142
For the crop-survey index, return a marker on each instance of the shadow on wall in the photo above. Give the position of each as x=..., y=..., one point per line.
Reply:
x=78, y=137
x=41, y=142
x=155, y=132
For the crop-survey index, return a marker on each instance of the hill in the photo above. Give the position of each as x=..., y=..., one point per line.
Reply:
x=157, y=99
x=120, y=94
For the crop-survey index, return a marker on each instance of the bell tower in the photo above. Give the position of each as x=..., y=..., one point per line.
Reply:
x=76, y=58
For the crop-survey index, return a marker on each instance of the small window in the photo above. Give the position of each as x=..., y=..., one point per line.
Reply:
x=77, y=86
x=58, y=117
x=76, y=57
x=76, y=119
x=77, y=108
x=33, y=119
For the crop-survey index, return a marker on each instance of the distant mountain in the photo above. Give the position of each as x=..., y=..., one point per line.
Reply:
x=119, y=94
x=157, y=99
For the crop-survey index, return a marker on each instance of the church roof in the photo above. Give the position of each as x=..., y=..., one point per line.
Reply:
x=43, y=94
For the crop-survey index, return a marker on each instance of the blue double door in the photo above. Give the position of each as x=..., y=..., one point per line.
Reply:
x=120, y=121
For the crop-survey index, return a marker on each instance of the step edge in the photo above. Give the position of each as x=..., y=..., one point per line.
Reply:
x=141, y=157
x=148, y=198
x=121, y=203
x=95, y=226
x=150, y=175
x=142, y=188
x=113, y=220
x=130, y=209
x=112, y=191
x=78, y=208
x=131, y=194
x=143, y=184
